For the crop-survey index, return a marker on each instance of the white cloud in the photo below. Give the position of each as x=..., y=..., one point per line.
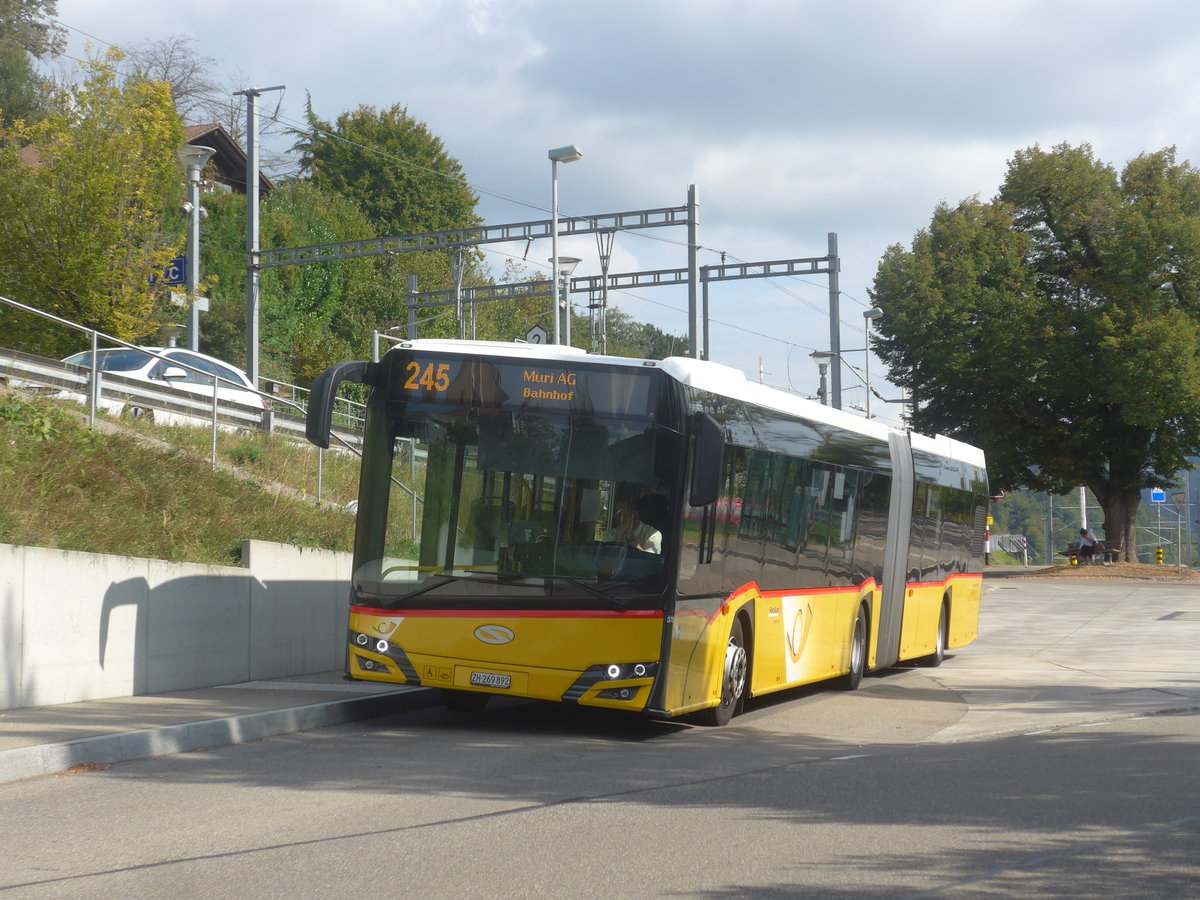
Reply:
x=793, y=119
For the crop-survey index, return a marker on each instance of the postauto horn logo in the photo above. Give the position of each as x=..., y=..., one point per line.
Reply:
x=494, y=634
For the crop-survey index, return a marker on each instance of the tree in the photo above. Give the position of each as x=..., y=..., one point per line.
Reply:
x=639, y=340
x=392, y=166
x=30, y=24
x=201, y=95
x=27, y=32
x=176, y=59
x=312, y=315
x=1056, y=326
x=81, y=209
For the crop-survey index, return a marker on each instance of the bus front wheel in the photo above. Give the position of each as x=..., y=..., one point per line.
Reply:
x=734, y=679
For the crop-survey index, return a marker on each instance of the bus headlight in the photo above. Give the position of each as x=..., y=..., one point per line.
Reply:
x=622, y=671
x=381, y=646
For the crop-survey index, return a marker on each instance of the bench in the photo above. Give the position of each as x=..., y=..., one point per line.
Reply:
x=1106, y=552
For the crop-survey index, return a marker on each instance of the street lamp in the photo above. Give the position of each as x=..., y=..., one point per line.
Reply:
x=562, y=297
x=566, y=154
x=873, y=313
x=822, y=357
x=193, y=159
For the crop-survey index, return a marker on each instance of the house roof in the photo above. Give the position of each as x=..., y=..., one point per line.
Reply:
x=228, y=163
x=227, y=166
x=30, y=156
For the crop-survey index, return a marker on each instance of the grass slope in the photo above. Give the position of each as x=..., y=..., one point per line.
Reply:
x=148, y=491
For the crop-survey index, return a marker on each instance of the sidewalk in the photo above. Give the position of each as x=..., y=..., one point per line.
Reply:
x=46, y=740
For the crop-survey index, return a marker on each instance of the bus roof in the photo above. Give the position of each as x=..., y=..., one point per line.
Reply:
x=714, y=378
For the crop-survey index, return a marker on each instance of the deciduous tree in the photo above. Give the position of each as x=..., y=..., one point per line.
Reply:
x=81, y=206
x=27, y=32
x=1057, y=325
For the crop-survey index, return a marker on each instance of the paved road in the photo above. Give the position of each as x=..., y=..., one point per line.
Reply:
x=1057, y=756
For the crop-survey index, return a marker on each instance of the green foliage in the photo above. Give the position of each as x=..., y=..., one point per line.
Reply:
x=392, y=166
x=27, y=417
x=311, y=315
x=31, y=26
x=639, y=340
x=1057, y=325
x=510, y=320
x=23, y=93
x=80, y=232
x=246, y=454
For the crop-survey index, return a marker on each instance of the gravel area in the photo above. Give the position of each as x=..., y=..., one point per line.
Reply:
x=1120, y=570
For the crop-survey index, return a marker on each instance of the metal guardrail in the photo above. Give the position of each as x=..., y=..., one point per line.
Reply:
x=285, y=411
x=1015, y=545
x=115, y=392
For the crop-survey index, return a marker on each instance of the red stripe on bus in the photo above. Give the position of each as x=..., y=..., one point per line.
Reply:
x=751, y=587
x=509, y=613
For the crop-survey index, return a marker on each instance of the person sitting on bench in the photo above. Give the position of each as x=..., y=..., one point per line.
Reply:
x=1088, y=545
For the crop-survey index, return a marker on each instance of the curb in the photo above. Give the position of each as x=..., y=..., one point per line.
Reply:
x=52, y=759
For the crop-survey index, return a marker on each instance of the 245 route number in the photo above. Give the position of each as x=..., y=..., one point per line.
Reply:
x=431, y=376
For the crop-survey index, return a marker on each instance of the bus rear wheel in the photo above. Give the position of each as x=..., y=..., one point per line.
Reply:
x=935, y=658
x=734, y=679
x=858, y=652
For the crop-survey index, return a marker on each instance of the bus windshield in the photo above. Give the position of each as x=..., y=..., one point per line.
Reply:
x=497, y=491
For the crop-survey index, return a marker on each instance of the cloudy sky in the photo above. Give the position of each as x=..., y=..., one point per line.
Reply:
x=793, y=118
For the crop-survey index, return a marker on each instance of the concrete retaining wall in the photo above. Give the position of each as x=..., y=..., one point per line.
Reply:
x=85, y=626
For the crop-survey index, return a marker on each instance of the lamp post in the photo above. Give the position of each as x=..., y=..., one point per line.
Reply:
x=193, y=159
x=566, y=154
x=822, y=357
x=873, y=313
x=566, y=265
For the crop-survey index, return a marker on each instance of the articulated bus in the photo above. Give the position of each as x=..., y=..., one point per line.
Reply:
x=780, y=542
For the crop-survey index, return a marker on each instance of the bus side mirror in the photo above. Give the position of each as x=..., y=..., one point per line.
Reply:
x=319, y=418
x=708, y=445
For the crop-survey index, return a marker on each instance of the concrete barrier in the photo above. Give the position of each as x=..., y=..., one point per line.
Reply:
x=87, y=626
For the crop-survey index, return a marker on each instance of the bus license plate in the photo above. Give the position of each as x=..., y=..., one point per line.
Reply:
x=488, y=679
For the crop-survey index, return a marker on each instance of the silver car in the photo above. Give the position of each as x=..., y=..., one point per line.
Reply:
x=235, y=386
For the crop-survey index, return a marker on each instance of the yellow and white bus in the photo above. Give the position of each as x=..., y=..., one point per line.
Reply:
x=776, y=543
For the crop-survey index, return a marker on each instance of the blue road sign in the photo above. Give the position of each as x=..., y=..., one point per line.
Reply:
x=1158, y=495
x=176, y=271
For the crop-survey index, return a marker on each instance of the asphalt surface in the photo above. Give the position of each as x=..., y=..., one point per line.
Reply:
x=1016, y=679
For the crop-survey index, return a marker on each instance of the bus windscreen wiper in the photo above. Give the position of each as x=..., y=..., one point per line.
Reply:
x=618, y=602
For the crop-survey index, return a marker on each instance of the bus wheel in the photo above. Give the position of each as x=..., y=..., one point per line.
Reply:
x=935, y=658
x=858, y=652
x=465, y=701
x=733, y=680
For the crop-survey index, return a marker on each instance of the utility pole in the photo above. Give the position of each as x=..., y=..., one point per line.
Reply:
x=695, y=339
x=252, y=223
x=835, y=323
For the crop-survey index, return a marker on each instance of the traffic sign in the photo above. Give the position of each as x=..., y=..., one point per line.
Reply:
x=537, y=335
x=1158, y=495
x=176, y=271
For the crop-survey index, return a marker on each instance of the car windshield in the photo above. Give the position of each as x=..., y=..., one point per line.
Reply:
x=517, y=504
x=113, y=360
